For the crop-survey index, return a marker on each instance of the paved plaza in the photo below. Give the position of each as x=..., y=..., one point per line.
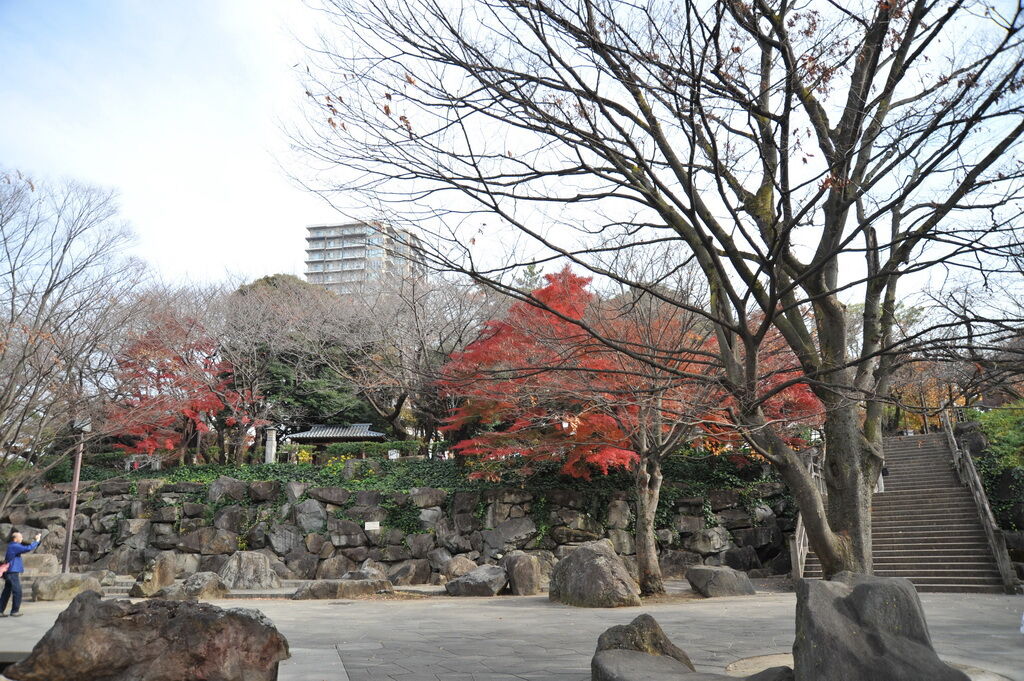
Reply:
x=531, y=639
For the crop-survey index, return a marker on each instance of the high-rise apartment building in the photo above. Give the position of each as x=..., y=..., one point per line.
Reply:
x=346, y=257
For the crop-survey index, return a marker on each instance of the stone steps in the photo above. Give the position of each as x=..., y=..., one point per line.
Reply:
x=925, y=525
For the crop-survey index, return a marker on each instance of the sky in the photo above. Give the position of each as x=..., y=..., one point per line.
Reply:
x=179, y=106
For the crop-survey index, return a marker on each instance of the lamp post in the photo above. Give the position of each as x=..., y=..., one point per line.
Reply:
x=82, y=428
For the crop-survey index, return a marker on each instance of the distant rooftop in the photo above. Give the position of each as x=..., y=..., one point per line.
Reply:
x=356, y=432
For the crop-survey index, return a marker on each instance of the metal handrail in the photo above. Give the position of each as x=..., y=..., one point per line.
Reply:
x=799, y=545
x=968, y=475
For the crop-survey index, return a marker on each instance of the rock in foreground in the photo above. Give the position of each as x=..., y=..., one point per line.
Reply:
x=64, y=587
x=154, y=640
x=202, y=586
x=524, y=574
x=640, y=651
x=864, y=627
x=593, y=576
x=249, y=570
x=341, y=588
x=710, y=581
x=486, y=580
x=643, y=635
x=158, y=574
x=630, y=665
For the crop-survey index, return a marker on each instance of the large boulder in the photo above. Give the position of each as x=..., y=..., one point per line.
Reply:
x=630, y=665
x=619, y=514
x=330, y=495
x=517, y=532
x=284, y=539
x=708, y=541
x=225, y=488
x=643, y=635
x=413, y=571
x=420, y=545
x=249, y=570
x=674, y=564
x=742, y=558
x=427, y=497
x=202, y=586
x=264, y=490
x=710, y=580
x=524, y=573
x=154, y=640
x=160, y=572
x=104, y=577
x=209, y=541
x=458, y=566
x=373, y=568
x=341, y=588
x=345, y=533
x=593, y=576
x=233, y=518
x=864, y=627
x=124, y=560
x=310, y=515
x=335, y=567
x=438, y=558
x=39, y=564
x=486, y=580
x=64, y=587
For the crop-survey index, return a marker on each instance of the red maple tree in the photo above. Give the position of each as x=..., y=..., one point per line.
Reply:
x=172, y=385
x=538, y=387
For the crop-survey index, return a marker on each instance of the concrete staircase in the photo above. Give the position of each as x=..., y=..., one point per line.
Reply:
x=925, y=525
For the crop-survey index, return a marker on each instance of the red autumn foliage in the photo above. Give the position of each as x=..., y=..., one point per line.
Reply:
x=172, y=385
x=537, y=387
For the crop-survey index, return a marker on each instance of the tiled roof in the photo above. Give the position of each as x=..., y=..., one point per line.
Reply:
x=357, y=431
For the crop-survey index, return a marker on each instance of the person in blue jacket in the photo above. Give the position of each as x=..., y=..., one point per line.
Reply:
x=12, y=578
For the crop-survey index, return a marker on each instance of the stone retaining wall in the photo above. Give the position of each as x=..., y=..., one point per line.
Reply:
x=320, y=532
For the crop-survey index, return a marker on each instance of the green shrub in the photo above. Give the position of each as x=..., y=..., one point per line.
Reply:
x=372, y=449
x=1001, y=466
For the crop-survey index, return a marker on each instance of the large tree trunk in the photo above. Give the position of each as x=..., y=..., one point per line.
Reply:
x=852, y=463
x=222, y=446
x=838, y=525
x=648, y=491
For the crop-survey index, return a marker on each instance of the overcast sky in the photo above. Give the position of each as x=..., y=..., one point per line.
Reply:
x=177, y=105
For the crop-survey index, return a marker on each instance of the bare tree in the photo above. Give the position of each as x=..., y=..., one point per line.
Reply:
x=805, y=156
x=391, y=338
x=64, y=287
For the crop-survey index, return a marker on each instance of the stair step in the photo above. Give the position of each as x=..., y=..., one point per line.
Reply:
x=938, y=525
x=934, y=530
x=919, y=513
x=878, y=510
x=936, y=521
x=912, y=569
x=923, y=492
x=900, y=499
x=947, y=479
x=921, y=481
x=914, y=544
x=947, y=581
x=960, y=588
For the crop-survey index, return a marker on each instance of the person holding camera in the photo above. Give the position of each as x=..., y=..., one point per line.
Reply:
x=12, y=577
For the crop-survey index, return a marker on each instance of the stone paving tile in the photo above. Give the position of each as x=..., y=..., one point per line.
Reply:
x=531, y=639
